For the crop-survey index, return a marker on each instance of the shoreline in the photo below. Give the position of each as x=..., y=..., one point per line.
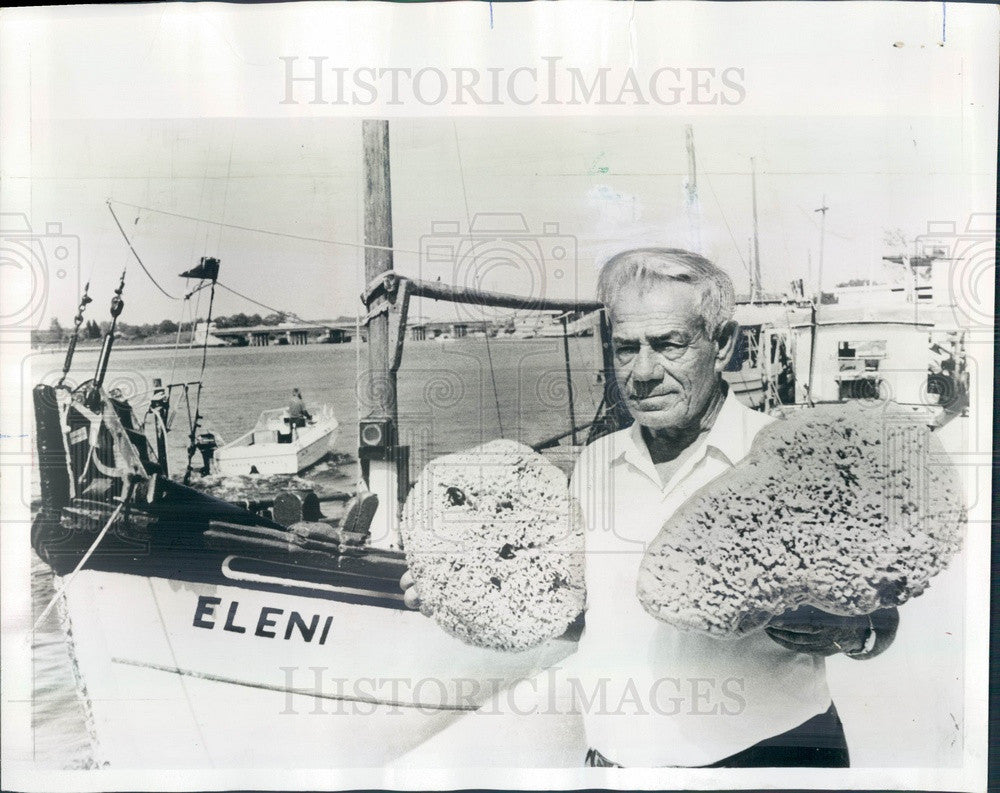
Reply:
x=120, y=346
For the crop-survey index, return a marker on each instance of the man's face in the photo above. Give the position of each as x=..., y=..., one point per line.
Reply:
x=666, y=364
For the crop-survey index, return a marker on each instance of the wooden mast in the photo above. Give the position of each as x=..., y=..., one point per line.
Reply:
x=378, y=260
x=379, y=452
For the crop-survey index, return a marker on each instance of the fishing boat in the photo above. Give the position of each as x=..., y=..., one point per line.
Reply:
x=880, y=352
x=232, y=629
x=267, y=633
x=276, y=445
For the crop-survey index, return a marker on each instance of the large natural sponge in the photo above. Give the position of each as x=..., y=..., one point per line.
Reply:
x=848, y=508
x=494, y=542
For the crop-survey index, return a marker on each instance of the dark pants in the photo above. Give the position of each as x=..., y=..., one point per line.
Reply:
x=817, y=743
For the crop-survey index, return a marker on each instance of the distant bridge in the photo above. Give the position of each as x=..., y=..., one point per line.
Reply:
x=337, y=331
x=333, y=332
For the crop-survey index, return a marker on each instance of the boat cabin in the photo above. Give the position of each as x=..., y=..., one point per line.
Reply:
x=858, y=357
x=273, y=426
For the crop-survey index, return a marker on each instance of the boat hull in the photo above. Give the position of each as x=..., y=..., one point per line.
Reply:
x=747, y=386
x=277, y=458
x=176, y=675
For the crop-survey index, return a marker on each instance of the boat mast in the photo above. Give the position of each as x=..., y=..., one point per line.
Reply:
x=691, y=190
x=822, y=239
x=378, y=261
x=755, y=287
x=383, y=461
x=117, y=304
x=819, y=296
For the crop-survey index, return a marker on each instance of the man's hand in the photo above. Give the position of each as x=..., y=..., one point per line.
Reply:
x=410, y=596
x=809, y=630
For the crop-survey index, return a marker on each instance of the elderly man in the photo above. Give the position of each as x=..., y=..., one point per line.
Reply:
x=678, y=698
x=652, y=695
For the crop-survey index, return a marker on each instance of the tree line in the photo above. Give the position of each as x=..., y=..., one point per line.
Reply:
x=91, y=329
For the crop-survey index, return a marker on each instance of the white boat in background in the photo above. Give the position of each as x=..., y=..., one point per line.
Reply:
x=275, y=446
x=577, y=323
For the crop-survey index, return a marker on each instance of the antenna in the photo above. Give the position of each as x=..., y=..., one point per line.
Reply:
x=822, y=238
x=756, y=288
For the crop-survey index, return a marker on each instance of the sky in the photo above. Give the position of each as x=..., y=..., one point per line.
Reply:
x=608, y=184
x=882, y=112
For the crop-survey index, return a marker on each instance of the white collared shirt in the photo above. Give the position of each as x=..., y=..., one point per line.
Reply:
x=652, y=695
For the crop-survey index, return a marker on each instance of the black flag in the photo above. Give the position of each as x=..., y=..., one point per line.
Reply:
x=209, y=268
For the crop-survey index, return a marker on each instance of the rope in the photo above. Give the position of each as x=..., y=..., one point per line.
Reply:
x=136, y=255
x=86, y=556
x=493, y=377
x=468, y=220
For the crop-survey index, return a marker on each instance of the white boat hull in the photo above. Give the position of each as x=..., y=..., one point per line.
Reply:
x=248, y=455
x=165, y=691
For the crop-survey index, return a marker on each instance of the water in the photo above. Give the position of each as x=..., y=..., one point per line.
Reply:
x=449, y=398
x=445, y=389
x=60, y=735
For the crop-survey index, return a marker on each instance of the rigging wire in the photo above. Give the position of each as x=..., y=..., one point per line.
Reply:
x=127, y=242
x=725, y=220
x=250, y=299
x=225, y=195
x=468, y=220
x=268, y=232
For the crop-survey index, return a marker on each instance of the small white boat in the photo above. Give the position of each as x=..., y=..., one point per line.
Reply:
x=275, y=446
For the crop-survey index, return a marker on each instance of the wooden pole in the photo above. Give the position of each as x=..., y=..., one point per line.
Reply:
x=378, y=260
x=569, y=377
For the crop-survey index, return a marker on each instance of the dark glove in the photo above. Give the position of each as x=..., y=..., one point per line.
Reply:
x=809, y=630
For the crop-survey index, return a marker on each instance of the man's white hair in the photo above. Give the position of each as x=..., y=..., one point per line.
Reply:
x=647, y=266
